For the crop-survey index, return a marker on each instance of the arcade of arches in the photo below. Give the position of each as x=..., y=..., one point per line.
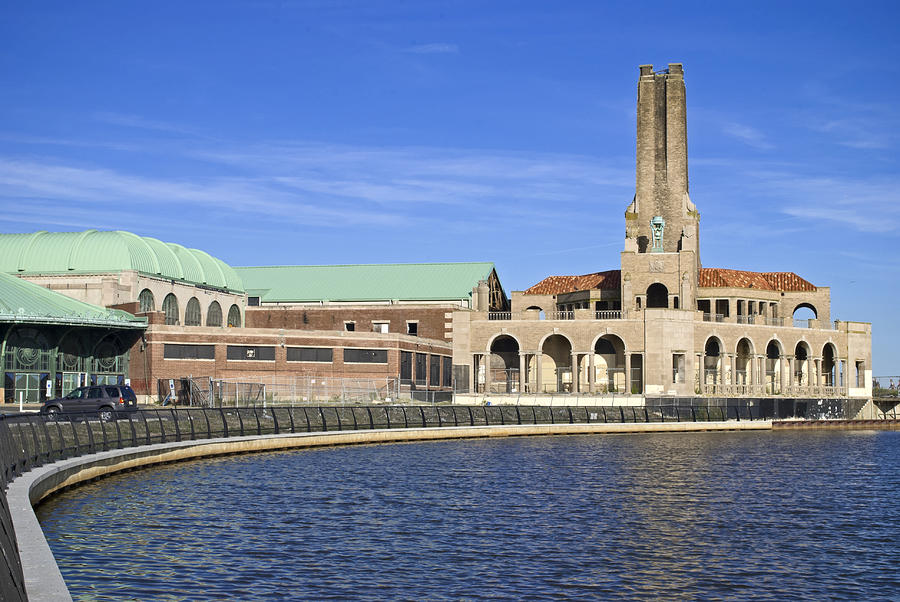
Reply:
x=556, y=368
x=38, y=360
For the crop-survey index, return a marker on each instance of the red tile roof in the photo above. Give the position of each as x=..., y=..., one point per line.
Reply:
x=554, y=285
x=769, y=281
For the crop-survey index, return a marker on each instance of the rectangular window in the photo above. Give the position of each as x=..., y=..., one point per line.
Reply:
x=406, y=367
x=412, y=328
x=380, y=326
x=434, y=374
x=253, y=301
x=677, y=368
x=365, y=356
x=859, y=374
x=350, y=326
x=172, y=351
x=252, y=353
x=421, y=368
x=448, y=372
x=309, y=354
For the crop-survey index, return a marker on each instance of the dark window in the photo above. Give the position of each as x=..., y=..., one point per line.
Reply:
x=255, y=353
x=189, y=352
x=406, y=366
x=309, y=354
x=448, y=372
x=421, y=368
x=434, y=376
x=192, y=313
x=112, y=391
x=234, y=317
x=253, y=301
x=170, y=307
x=95, y=393
x=365, y=356
x=146, y=301
x=412, y=328
x=214, y=314
x=350, y=326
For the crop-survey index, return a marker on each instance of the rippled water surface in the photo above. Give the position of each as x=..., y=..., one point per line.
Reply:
x=732, y=515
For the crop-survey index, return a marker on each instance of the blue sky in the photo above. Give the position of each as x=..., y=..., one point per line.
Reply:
x=353, y=132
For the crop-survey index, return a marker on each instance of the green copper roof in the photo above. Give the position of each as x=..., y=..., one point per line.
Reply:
x=94, y=251
x=25, y=302
x=400, y=282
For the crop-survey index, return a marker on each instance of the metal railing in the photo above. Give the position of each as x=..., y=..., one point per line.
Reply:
x=31, y=440
x=707, y=317
x=751, y=319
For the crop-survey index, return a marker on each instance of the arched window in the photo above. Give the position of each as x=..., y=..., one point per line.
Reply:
x=146, y=301
x=234, y=317
x=170, y=307
x=657, y=295
x=214, y=314
x=192, y=313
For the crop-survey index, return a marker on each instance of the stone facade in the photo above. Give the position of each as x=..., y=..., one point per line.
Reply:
x=662, y=324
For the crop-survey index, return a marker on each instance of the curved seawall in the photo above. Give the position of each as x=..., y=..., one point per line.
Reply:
x=43, y=580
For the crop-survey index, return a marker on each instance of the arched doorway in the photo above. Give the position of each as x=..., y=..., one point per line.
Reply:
x=828, y=365
x=712, y=364
x=773, y=368
x=802, y=372
x=556, y=365
x=657, y=296
x=110, y=362
x=503, y=364
x=743, y=363
x=609, y=364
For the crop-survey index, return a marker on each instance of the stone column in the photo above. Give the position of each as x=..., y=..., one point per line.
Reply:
x=627, y=373
x=576, y=386
x=701, y=375
x=523, y=363
x=592, y=372
x=487, y=373
x=538, y=376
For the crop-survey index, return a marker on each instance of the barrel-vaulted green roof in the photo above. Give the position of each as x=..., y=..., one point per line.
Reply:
x=378, y=282
x=94, y=251
x=24, y=302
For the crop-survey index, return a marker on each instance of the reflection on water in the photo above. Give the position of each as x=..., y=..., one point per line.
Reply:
x=728, y=515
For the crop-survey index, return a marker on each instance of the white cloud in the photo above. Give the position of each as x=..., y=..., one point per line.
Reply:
x=747, y=135
x=435, y=48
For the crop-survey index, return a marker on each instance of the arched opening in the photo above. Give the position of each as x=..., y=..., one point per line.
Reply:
x=657, y=296
x=802, y=365
x=556, y=365
x=539, y=311
x=110, y=362
x=712, y=363
x=773, y=368
x=743, y=362
x=170, y=308
x=803, y=313
x=71, y=364
x=214, y=314
x=828, y=365
x=609, y=364
x=146, y=301
x=504, y=365
x=29, y=355
x=192, y=313
x=234, y=317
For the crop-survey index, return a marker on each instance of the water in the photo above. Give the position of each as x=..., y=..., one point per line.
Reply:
x=763, y=515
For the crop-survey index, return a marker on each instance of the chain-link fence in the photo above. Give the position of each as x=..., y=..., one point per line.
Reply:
x=294, y=390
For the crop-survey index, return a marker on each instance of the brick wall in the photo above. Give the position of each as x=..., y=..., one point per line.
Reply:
x=433, y=320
